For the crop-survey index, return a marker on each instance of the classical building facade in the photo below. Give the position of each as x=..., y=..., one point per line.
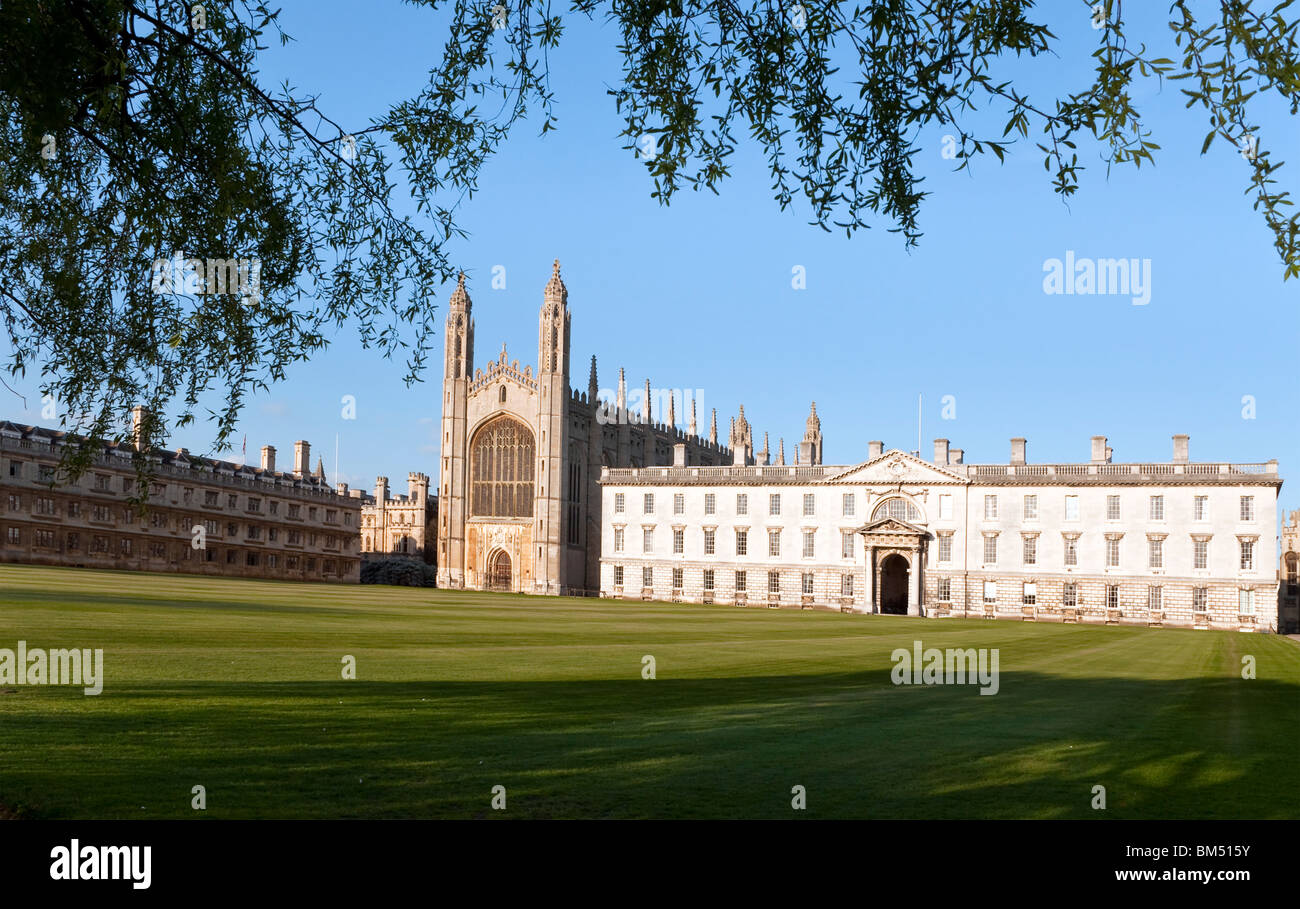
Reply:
x=203, y=516
x=1288, y=612
x=403, y=525
x=1174, y=543
x=518, y=486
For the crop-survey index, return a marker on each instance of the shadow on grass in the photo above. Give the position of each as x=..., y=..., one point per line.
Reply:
x=731, y=747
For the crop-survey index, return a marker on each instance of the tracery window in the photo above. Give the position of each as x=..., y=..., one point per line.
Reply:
x=501, y=470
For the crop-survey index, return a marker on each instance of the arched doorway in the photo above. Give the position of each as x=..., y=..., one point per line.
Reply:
x=498, y=571
x=893, y=585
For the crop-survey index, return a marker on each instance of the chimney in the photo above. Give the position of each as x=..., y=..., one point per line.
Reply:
x=268, y=458
x=1100, y=453
x=941, y=451
x=1180, y=449
x=955, y=456
x=341, y=488
x=875, y=450
x=302, y=459
x=1017, y=451
x=679, y=454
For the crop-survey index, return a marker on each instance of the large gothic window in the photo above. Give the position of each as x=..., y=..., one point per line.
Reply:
x=896, y=508
x=501, y=470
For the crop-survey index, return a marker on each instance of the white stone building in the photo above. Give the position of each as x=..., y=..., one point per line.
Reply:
x=1177, y=543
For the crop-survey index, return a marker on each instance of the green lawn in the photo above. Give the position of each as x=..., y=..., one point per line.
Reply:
x=236, y=685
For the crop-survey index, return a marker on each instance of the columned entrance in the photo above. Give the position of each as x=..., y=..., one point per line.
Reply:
x=499, y=575
x=893, y=585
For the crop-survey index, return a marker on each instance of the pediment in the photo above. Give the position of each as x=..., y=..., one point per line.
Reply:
x=896, y=467
x=892, y=525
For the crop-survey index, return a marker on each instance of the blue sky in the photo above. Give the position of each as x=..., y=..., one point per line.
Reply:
x=699, y=295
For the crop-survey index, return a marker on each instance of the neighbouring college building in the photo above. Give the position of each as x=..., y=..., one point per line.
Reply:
x=399, y=525
x=1177, y=543
x=204, y=516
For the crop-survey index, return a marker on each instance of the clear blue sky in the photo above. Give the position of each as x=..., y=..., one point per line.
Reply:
x=699, y=295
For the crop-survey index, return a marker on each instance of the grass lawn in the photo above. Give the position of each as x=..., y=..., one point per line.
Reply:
x=236, y=685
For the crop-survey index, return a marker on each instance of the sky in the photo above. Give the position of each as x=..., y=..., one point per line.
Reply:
x=699, y=295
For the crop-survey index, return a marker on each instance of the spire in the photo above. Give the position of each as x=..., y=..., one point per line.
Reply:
x=672, y=411
x=459, y=296
x=645, y=411
x=780, y=454
x=555, y=289
x=320, y=468
x=622, y=391
x=765, y=456
x=810, y=449
x=713, y=428
x=593, y=388
x=690, y=430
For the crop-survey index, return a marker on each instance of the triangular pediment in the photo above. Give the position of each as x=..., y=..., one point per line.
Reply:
x=897, y=467
x=892, y=525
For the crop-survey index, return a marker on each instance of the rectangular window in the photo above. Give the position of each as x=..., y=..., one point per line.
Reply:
x=809, y=543
x=1072, y=508
x=774, y=582
x=618, y=539
x=1071, y=551
x=1112, y=596
x=1070, y=595
x=1112, y=553
x=648, y=503
x=677, y=578
x=1029, y=595
x=1248, y=508
x=1031, y=550
x=945, y=548
x=774, y=542
x=1201, y=508
x=13, y=536
x=1200, y=553
x=742, y=503
x=647, y=577
x=945, y=590
x=1031, y=508
x=850, y=505
x=16, y=468
x=618, y=575
x=1157, y=508
x=620, y=502
x=742, y=542
x=990, y=508
x=710, y=542
x=679, y=541
x=1112, y=508
x=710, y=503
x=945, y=508
x=1200, y=598
x=846, y=585
x=740, y=582
x=807, y=583
x=1155, y=554
x=647, y=539
x=679, y=503
x=990, y=591
x=1155, y=596
x=990, y=550
x=1246, y=602
x=846, y=544
x=708, y=579
x=809, y=504
x=774, y=503
x=1247, y=555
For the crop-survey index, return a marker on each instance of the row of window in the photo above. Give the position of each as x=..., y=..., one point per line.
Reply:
x=904, y=510
x=211, y=498
x=14, y=535
x=740, y=580
x=1029, y=554
x=1070, y=598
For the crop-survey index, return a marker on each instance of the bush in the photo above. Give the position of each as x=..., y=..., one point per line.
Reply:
x=403, y=572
